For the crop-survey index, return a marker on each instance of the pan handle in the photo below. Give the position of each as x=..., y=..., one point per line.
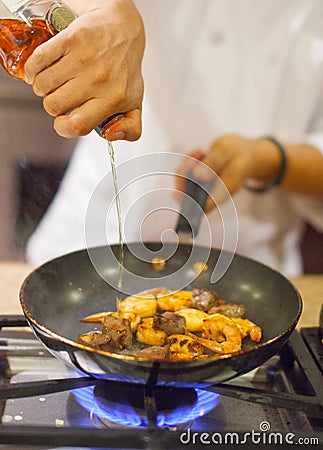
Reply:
x=192, y=206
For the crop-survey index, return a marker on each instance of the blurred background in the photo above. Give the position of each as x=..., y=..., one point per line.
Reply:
x=33, y=162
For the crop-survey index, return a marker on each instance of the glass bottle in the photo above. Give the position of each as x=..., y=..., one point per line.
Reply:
x=27, y=25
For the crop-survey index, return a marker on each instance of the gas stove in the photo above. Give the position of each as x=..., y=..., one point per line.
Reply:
x=45, y=404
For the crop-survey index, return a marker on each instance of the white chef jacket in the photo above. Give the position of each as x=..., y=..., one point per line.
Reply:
x=211, y=67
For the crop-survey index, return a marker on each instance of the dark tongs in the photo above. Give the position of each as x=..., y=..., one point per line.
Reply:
x=192, y=208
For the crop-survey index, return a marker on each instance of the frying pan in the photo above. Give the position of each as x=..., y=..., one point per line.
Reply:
x=58, y=294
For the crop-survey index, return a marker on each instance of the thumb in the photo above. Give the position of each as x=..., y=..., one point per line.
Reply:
x=127, y=127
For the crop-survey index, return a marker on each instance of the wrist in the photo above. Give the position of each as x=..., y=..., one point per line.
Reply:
x=268, y=165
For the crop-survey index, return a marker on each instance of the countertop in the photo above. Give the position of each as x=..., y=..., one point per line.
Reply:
x=12, y=275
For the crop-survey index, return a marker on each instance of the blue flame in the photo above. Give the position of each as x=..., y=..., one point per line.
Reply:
x=126, y=415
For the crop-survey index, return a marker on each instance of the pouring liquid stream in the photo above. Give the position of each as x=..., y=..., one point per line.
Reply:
x=119, y=218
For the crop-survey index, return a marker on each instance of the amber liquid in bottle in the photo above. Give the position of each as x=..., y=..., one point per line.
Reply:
x=18, y=40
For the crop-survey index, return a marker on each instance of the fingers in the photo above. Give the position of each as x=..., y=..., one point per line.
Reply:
x=126, y=128
x=44, y=56
x=79, y=108
x=89, y=115
x=227, y=160
x=216, y=159
x=80, y=122
x=53, y=79
x=231, y=179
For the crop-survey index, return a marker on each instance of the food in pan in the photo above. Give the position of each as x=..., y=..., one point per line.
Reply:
x=200, y=267
x=161, y=324
x=147, y=334
x=158, y=264
x=174, y=301
x=194, y=318
x=182, y=346
x=223, y=333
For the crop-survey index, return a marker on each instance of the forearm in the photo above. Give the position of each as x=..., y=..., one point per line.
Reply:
x=304, y=171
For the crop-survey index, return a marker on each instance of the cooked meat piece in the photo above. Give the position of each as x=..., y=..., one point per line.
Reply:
x=118, y=330
x=155, y=352
x=97, y=340
x=170, y=323
x=204, y=299
x=229, y=309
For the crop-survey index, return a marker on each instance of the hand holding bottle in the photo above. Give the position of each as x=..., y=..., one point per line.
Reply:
x=91, y=70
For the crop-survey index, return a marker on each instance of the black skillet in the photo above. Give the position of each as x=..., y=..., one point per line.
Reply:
x=57, y=295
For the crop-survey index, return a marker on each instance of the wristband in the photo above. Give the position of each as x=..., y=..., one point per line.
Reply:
x=281, y=172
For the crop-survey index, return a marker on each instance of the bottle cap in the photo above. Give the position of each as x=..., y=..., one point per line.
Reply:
x=60, y=17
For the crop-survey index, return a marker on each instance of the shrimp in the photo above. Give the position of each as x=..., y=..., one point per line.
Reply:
x=175, y=301
x=194, y=318
x=248, y=328
x=148, y=335
x=143, y=306
x=99, y=317
x=182, y=347
x=213, y=346
x=144, y=303
x=224, y=332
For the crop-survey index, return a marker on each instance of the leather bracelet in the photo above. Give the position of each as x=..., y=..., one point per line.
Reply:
x=281, y=172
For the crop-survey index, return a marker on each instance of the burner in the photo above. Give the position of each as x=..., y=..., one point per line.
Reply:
x=124, y=404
